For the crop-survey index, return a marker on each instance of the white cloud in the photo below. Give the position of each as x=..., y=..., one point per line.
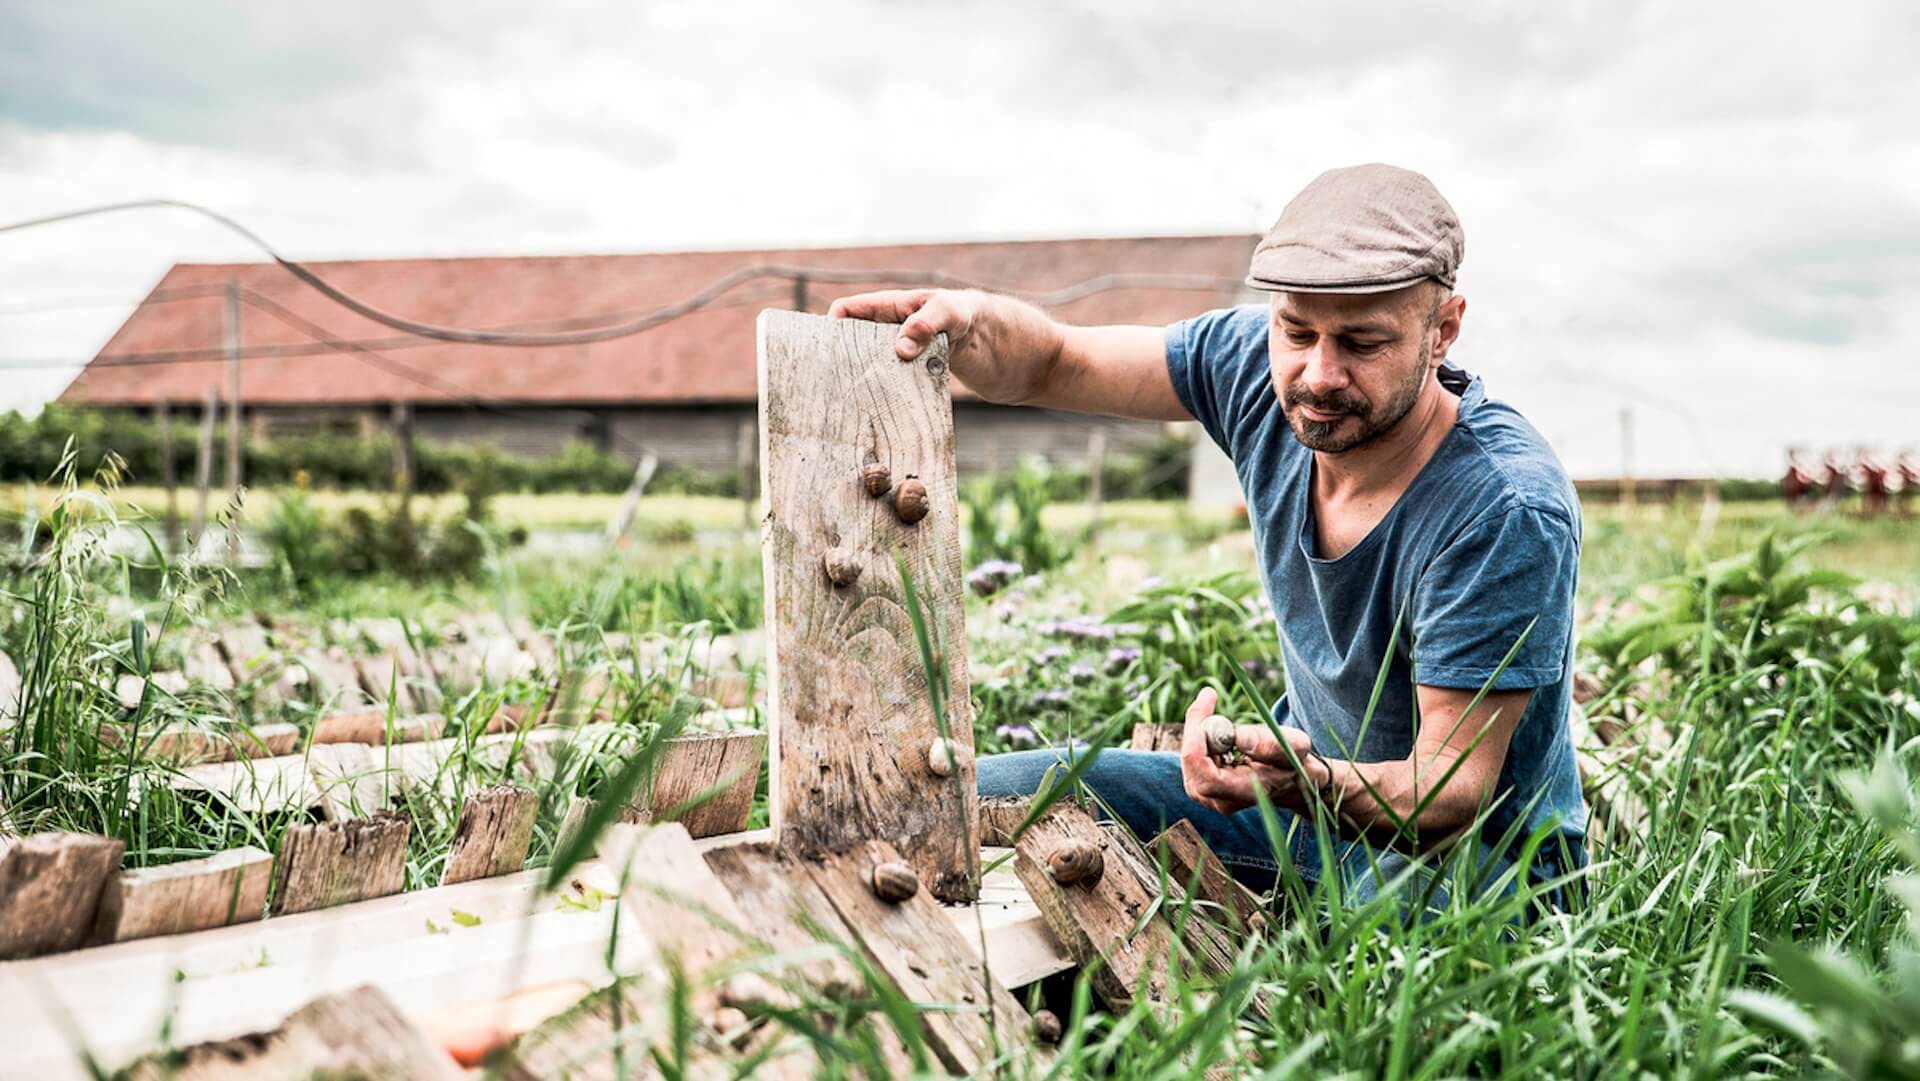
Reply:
x=1702, y=204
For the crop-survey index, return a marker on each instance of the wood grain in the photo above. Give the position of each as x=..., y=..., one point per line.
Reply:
x=370, y=726
x=358, y=1034
x=1157, y=737
x=1186, y=856
x=331, y=863
x=1096, y=921
x=193, y=895
x=492, y=836
x=691, y=766
x=50, y=888
x=848, y=700
x=921, y=951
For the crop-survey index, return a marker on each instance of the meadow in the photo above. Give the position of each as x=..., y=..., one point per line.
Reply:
x=1752, y=721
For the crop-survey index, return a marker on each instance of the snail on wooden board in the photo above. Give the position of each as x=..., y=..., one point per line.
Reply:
x=876, y=478
x=1075, y=862
x=910, y=500
x=943, y=757
x=1046, y=1026
x=893, y=881
x=843, y=566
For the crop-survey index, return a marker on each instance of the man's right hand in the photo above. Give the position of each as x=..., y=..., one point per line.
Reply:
x=1010, y=352
x=1000, y=348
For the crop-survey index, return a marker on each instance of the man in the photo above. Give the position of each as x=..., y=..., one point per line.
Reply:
x=1402, y=519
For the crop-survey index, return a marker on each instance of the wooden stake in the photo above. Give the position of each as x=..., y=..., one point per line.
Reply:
x=849, y=699
x=630, y=503
x=50, y=887
x=225, y=888
x=495, y=828
x=203, y=462
x=1096, y=477
x=331, y=863
x=692, y=766
x=163, y=418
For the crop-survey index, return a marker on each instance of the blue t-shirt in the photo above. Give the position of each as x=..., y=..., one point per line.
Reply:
x=1485, y=540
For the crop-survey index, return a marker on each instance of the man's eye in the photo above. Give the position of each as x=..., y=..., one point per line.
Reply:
x=1364, y=348
x=1300, y=337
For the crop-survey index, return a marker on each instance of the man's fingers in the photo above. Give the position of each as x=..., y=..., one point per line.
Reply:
x=1259, y=744
x=883, y=306
x=1203, y=704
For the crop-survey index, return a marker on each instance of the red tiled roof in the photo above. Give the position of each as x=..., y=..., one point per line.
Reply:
x=707, y=356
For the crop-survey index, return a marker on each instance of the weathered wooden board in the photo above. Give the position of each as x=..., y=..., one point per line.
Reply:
x=923, y=953
x=1190, y=863
x=50, y=888
x=1000, y=817
x=849, y=704
x=9, y=689
x=1157, y=737
x=331, y=863
x=491, y=838
x=1207, y=938
x=692, y=766
x=371, y=726
x=787, y=910
x=1096, y=920
x=359, y=1034
x=224, y=888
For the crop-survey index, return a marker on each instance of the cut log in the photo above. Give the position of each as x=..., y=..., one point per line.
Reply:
x=691, y=767
x=999, y=818
x=1157, y=737
x=491, y=838
x=922, y=952
x=1096, y=919
x=332, y=863
x=224, y=888
x=357, y=1034
x=850, y=707
x=50, y=889
x=370, y=726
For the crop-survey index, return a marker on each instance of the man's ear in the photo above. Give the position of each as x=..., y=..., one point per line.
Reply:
x=1453, y=311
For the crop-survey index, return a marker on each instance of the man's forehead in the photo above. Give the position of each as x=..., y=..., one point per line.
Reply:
x=1347, y=312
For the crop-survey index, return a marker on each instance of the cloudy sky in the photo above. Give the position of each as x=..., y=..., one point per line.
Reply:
x=1706, y=212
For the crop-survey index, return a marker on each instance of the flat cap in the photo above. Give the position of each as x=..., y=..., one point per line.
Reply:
x=1361, y=229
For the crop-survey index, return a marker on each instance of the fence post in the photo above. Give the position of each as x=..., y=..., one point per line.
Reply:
x=203, y=463
x=164, y=417
x=235, y=473
x=403, y=460
x=744, y=449
x=1096, y=470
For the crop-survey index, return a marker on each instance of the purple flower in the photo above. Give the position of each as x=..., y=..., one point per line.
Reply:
x=1052, y=696
x=1080, y=672
x=1119, y=657
x=1018, y=734
x=1152, y=581
x=1052, y=654
x=992, y=576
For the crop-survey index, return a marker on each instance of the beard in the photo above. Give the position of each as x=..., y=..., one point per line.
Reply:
x=1356, y=425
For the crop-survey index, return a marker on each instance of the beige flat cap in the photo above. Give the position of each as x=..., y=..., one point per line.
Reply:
x=1362, y=229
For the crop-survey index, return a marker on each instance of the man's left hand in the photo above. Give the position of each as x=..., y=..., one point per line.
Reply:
x=1229, y=789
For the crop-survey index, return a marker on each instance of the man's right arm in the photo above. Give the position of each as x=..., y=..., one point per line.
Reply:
x=1010, y=352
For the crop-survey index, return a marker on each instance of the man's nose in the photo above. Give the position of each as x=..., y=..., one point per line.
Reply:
x=1324, y=373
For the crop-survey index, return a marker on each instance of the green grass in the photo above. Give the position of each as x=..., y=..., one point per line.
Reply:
x=1752, y=923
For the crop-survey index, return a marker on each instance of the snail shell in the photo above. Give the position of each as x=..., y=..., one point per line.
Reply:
x=910, y=500
x=1046, y=1026
x=730, y=1023
x=1076, y=861
x=893, y=881
x=876, y=478
x=843, y=567
x=943, y=755
x=1222, y=740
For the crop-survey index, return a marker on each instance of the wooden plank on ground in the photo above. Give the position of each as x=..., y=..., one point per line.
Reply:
x=1189, y=861
x=491, y=838
x=922, y=952
x=50, y=888
x=357, y=1034
x=1095, y=918
x=331, y=863
x=1208, y=939
x=792, y=916
x=371, y=726
x=1157, y=737
x=1000, y=817
x=9, y=689
x=692, y=766
x=849, y=704
x=224, y=888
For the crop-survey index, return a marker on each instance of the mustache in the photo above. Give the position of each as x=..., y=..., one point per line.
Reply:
x=1297, y=395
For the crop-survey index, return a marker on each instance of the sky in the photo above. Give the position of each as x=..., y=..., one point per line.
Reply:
x=1705, y=213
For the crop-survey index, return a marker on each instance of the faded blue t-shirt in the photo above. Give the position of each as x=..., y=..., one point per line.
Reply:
x=1484, y=542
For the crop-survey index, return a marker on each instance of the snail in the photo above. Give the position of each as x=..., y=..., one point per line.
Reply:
x=1076, y=861
x=843, y=567
x=876, y=478
x=1046, y=1026
x=943, y=755
x=730, y=1024
x=1222, y=740
x=893, y=881
x=910, y=500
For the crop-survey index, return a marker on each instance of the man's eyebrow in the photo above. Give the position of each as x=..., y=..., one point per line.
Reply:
x=1378, y=330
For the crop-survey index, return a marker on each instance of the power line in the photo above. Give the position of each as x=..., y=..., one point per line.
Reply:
x=635, y=323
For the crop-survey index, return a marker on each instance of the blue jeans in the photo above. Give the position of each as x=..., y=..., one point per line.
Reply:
x=1145, y=791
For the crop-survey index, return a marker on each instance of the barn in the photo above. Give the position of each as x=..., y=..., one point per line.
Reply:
x=683, y=390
